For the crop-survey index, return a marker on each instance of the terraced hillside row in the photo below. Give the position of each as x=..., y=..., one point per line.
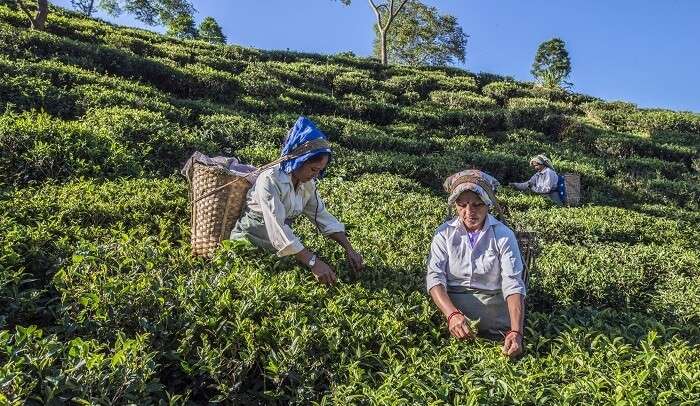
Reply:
x=100, y=301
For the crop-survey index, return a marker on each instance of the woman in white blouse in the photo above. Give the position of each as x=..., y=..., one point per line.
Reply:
x=287, y=190
x=475, y=267
x=545, y=180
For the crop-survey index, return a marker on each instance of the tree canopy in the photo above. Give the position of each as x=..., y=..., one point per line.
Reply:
x=151, y=12
x=182, y=26
x=210, y=31
x=421, y=36
x=86, y=7
x=385, y=12
x=552, y=65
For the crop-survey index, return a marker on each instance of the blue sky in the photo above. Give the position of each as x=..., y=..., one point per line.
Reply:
x=644, y=51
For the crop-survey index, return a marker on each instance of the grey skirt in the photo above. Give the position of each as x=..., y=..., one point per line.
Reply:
x=488, y=306
x=251, y=226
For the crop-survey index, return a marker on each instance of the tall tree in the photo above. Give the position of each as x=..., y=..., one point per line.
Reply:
x=385, y=13
x=210, y=31
x=552, y=64
x=86, y=7
x=151, y=12
x=421, y=36
x=182, y=26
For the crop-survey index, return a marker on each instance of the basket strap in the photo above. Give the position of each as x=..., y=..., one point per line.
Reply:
x=297, y=152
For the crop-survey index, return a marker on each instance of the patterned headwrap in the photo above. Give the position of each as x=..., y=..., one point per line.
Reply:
x=542, y=160
x=474, y=180
x=304, y=130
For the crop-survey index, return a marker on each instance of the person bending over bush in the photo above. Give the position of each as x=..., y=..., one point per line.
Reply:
x=475, y=268
x=545, y=180
x=287, y=190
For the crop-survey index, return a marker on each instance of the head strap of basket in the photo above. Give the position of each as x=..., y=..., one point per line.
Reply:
x=299, y=151
x=318, y=143
x=303, y=132
x=541, y=159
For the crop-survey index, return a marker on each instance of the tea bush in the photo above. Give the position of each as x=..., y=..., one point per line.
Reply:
x=611, y=274
x=354, y=82
x=461, y=100
x=257, y=81
x=153, y=140
x=604, y=224
x=417, y=83
x=362, y=108
x=36, y=147
x=24, y=93
x=502, y=91
x=50, y=371
x=46, y=223
x=102, y=303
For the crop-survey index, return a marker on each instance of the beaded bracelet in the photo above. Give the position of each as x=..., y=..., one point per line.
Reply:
x=452, y=314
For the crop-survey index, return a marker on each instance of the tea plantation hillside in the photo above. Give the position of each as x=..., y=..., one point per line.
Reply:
x=101, y=303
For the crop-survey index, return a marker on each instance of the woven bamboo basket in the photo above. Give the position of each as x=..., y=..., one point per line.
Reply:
x=215, y=214
x=572, y=182
x=527, y=242
x=218, y=197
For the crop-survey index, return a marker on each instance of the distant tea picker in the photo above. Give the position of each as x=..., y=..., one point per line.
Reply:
x=545, y=181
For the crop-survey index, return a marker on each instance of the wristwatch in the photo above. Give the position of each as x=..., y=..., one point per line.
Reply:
x=312, y=261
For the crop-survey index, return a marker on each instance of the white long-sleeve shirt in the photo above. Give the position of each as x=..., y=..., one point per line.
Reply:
x=494, y=263
x=544, y=181
x=273, y=195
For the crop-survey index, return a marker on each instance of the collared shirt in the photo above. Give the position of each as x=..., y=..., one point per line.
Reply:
x=494, y=263
x=274, y=196
x=544, y=181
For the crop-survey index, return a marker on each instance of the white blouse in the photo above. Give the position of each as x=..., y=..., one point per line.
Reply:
x=544, y=181
x=273, y=195
x=494, y=263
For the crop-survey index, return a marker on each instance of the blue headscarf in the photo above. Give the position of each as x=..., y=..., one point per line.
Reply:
x=304, y=130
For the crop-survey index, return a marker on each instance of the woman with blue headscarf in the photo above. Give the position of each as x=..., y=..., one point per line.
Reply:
x=475, y=268
x=287, y=190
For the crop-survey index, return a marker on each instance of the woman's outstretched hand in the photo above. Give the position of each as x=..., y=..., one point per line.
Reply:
x=323, y=273
x=513, y=344
x=355, y=260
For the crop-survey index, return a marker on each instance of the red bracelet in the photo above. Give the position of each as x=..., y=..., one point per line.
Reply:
x=452, y=314
x=514, y=331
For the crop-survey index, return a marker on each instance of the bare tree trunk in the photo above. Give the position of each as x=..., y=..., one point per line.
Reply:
x=37, y=22
x=382, y=46
x=41, y=14
x=384, y=28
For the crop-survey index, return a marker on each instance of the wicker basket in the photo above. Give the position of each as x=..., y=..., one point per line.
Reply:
x=214, y=215
x=527, y=242
x=218, y=197
x=572, y=185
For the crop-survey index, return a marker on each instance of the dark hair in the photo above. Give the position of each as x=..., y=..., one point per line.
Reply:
x=318, y=157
